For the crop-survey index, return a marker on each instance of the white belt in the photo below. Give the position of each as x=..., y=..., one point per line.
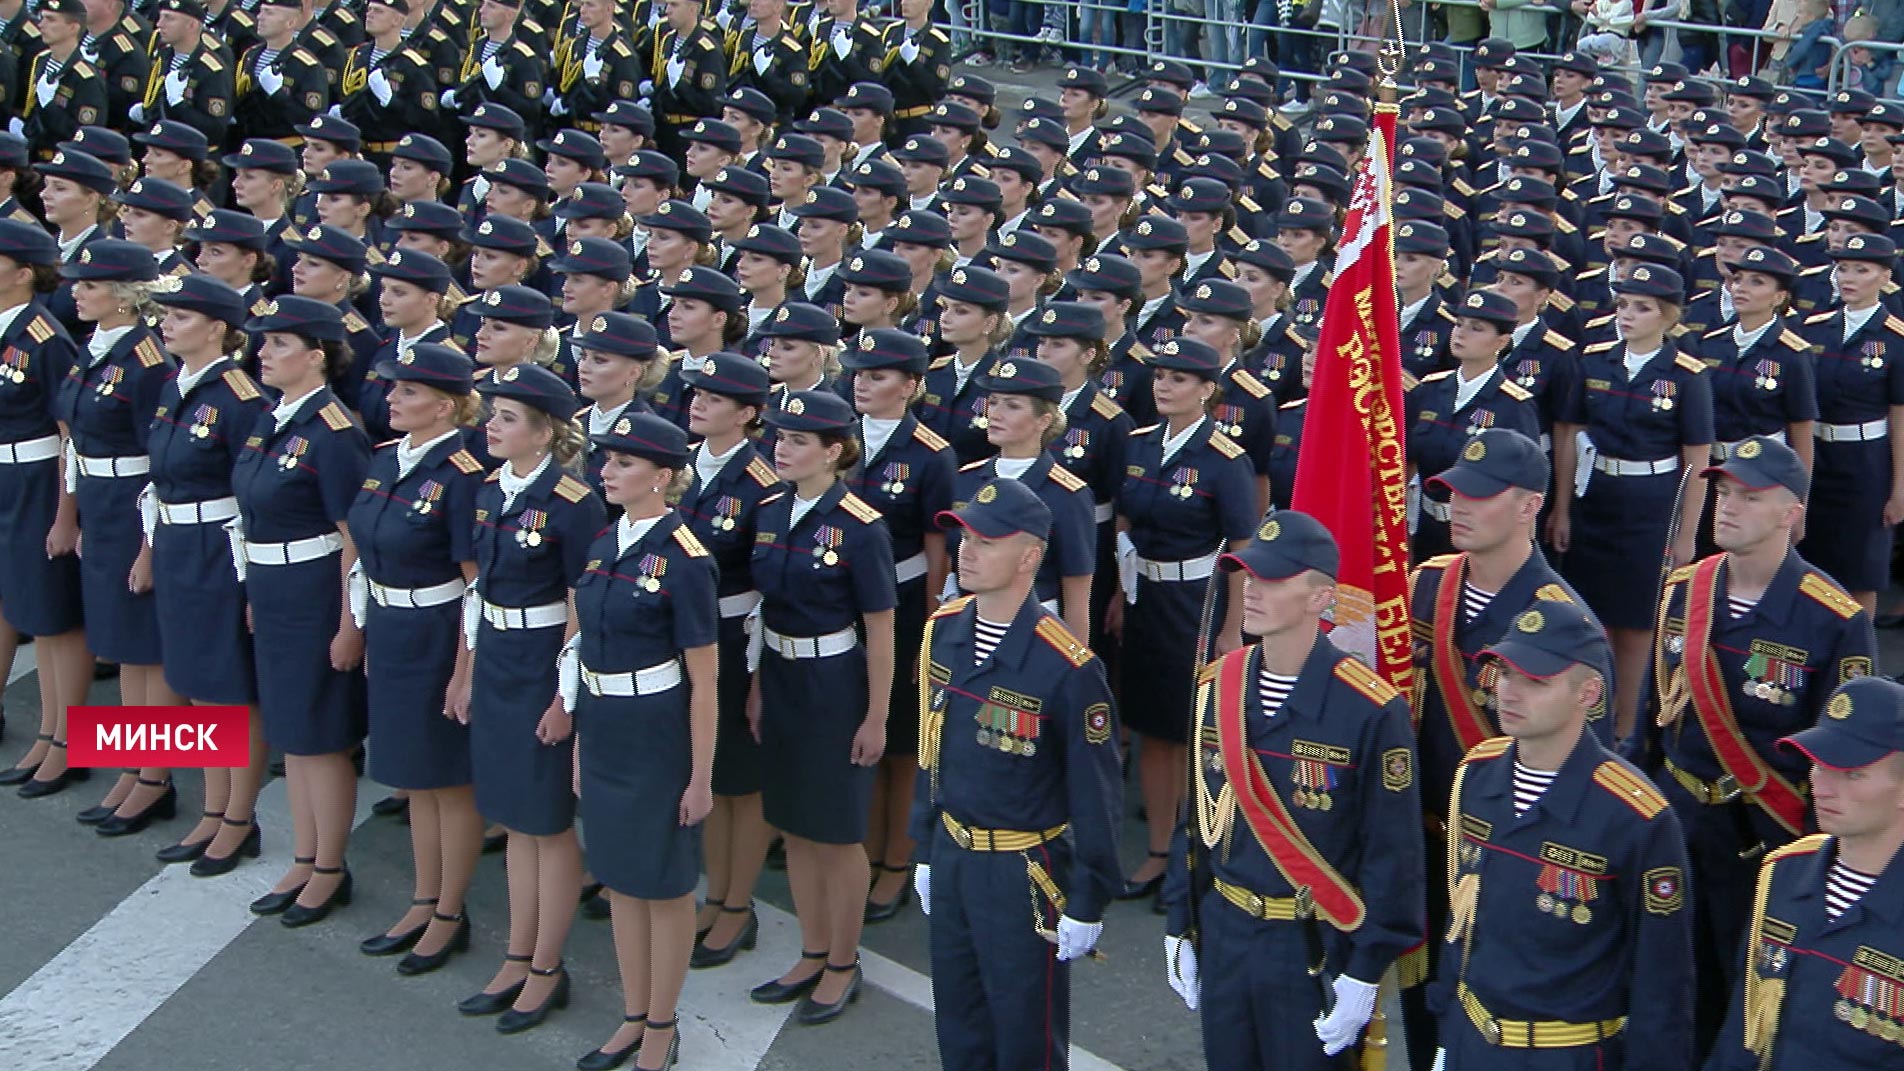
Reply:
x=650, y=681
x=112, y=467
x=1615, y=466
x=418, y=598
x=1104, y=511
x=911, y=569
x=1853, y=433
x=1721, y=451
x=1193, y=569
x=504, y=618
x=833, y=643
x=294, y=552
x=1437, y=510
x=213, y=511
x=739, y=605
x=45, y=448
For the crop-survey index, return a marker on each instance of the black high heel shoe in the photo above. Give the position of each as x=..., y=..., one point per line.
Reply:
x=165, y=808
x=515, y=1022
x=391, y=805
x=595, y=902
x=20, y=775
x=749, y=935
x=779, y=992
x=98, y=813
x=674, y=1045
x=813, y=1013
x=418, y=963
x=494, y=1003
x=609, y=1059
x=298, y=915
x=1137, y=890
x=36, y=789
x=276, y=903
x=878, y=912
x=389, y=944
x=495, y=842
x=187, y=851
x=212, y=866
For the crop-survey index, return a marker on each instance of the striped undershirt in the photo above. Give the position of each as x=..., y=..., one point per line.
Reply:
x=1740, y=607
x=1273, y=689
x=985, y=638
x=1843, y=887
x=1529, y=785
x=1474, y=601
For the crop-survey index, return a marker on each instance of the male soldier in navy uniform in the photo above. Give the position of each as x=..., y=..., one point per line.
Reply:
x=1461, y=603
x=281, y=85
x=389, y=84
x=233, y=25
x=1752, y=641
x=1823, y=974
x=120, y=47
x=918, y=65
x=499, y=68
x=1307, y=872
x=994, y=807
x=190, y=79
x=594, y=69
x=767, y=54
x=689, y=71
x=1564, y=862
x=846, y=47
x=63, y=90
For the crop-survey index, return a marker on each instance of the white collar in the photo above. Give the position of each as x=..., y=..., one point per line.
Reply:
x=1150, y=307
x=409, y=456
x=1855, y=319
x=1521, y=332
x=1064, y=403
x=7, y=316
x=1078, y=139
x=67, y=249
x=1174, y=443
x=600, y=420
x=512, y=484
x=629, y=532
x=288, y=408
x=1413, y=308
x=100, y=344
x=1466, y=389
x=1744, y=339
x=186, y=379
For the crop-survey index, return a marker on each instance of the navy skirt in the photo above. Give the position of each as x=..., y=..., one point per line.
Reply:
x=810, y=710
x=637, y=756
x=524, y=784
x=308, y=707
x=38, y=597
x=1844, y=521
x=410, y=655
x=201, y=601
x=909, y=626
x=1158, y=680
x=737, y=758
x=1618, y=539
x=120, y=626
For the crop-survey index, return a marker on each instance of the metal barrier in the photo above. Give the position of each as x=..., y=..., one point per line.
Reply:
x=1841, y=68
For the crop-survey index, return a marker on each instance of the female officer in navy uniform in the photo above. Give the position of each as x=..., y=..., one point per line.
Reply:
x=1115, y=286
x=1854, y=496
x=1188, y=493
x=74, y=201
x=615, y=365
x=39, y=571
x=410, y=299
x=1290, y=417
x=204, y=415
x=413, y=522
x=906, y=472
x=972, y=321
x=107, y=404
x=1647, y=409
x=730, y=478
x=534, y=524
x=645, y=715
x=1447, y=409
x=823, y=562
x=1221, y=313
x=302, y=464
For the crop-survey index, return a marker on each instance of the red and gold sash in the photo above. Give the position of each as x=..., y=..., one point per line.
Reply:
x=1710, y=702
x=1470, y=723
x=1335, y=899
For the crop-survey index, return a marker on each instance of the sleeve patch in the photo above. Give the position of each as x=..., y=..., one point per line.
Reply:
x=1665, y=890
x=1097, y=723
x=1398, y=769
x=1854, y=666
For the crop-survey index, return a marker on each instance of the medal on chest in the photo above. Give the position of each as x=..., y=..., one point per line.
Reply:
x=529, y=527
x=426, y=498
x=1273, y=366
x=1569, y=883
x=1077, y=443
x=1183, y=483
x=1008, y=722
x=1871, y=994
x=1765, y=375
x=1229, y=419
x=13, y=364
x=649, y=571
x=1307, y=310
x=291, y=454
x=1480, y=420
x=1871, y=355
x=1425, y=344
x=893, y=480
x=204, y=418
x=1315, y=783
x=726, y=513
x=1527, y=372
x=1664, y=392
x=826, y=544
x=1112, y=380
x=109, y=382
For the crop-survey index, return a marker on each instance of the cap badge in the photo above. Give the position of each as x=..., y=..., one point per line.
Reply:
x=575, y=249
x=1203, y=292
x=1051, y=316
x=666, y=207
x=396, y=258
x=1531, y=621
x=623, y=426
x=1474, y=451
x=796, y=406
x=85, y=256
x=1269, y=531
x=1839, y=708
x=781, y=316
x=489, y=227
x=1642, y=275
x=1750, y=449
x=1005, y=370
x=986, y=494
x=509, y=374
x=958, y=277
x=248, y=150
x=599, y=326
x=494, y=298
x=859, y=264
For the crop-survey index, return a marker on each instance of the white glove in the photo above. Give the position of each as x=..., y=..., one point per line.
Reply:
x=592, y=66
x=472, y=616
x=763, y=59
x=922, y=884
x=1441, y=1060
x=175, y=88
x=446, y=99
x=270, y=80
x=559, y=108
x=357, y=590
x=909, y=51
x=1354, y=1005
x=335, y=111
x=645, y=89
x=1127, y=567
x=379, y=87
x=723, y=18
x=492, y=72
x=842, y=40
x=1180, y=970
x=1076, y=939
x=148, y=513
x=44, y=91
x=568, y=672
x=16, y=127
x=136, y=113
x=654, y=15
x=676, y=68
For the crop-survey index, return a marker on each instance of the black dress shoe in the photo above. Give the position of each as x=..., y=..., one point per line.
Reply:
x=609, y=1059
x=105, y=671
x=389, y=944
x=298, y=915
x=212, y=866
x=417, y=963
x=674, y=1045
x=813, y=1013
x=165, y=808
x=779, y=992
x=595, y=902
x=878, y=912
x=20, y=775
x=277, y=903
x=495, y=843
x=1137, y=890
x=704, y=956
x=95, y=814
x=53, y=786
x=515, y=1022
x=494, y=1003
x=390, y=805
x=187, y=851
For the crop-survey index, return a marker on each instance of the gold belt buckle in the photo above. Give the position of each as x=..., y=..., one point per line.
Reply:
x=1257, y=905
x=1491, y=1030
x=962, y=837
x=1726, y=789
x=1305, y=902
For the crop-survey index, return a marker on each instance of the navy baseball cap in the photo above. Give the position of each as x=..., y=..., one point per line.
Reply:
x=1863, y=724
x=730, y=375
x=206, y=296
x=1551, y=638
x=1030, y=377
x=646, y=435
x=1067, y=319
x=113, y=260
x=532, y=385
x=1761, y=462
x=620, y=333
x=302, y=316
x=1002, y=507
x=888, y=347
x=813, y=410
x=515, y=304
x=1495, y=460
x=417, y=267
x=1286, y=544
x=432, y=364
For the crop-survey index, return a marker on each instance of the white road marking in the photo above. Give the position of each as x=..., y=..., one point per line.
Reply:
x=24, y=662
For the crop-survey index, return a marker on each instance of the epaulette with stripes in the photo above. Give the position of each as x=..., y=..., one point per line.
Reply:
x=466, y=462
x=39, y=329
x=241, y=384
x=334, y=417
x=1225, y=445
x=149, y=353
x=685, y=537
x=1059, y=638
x=1688, y=362
x=761, y=472
x=1250, y=384
x=953, y=607
x=570, y=489
x=929, y=439
x=1066, y=479
x=1822, y=591
x=1629, y=787
x=858, y=508
x=1355, y=674
x=1491, y=748
x=1105, y=406
x=1516, y=391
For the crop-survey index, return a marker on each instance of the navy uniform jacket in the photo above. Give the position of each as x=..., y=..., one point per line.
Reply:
x=1589, y=885
x=1282, y=460
x=373, y=394
x=1424, y=340
x=1666, y=406
x=1064, y=765
x=721, y=514
x=1368, y=830
x=125, y=58
x=865, y=57
x=530, y=553
x=593, y=457
x=703, y=82
x=1437, y=430
x=413, y=94
x=956, y=413
x=1127, y=377
x=918, y=84
x=645, y=605
x=821, y=575
x=1277, y=359
x=306, y=91
x=207, y=103
x=582, y=96
x=1096, y=434
x=1186, y=508
x=1859, y=378
x=196, y=440
x=523, y=79
x=37, y=357
x=412, y=532
x=1307, y=296
x=789, y=67
x=1071, y=548
x=107, y=403
x=1163, y=324
x=1246, y=413
x=1765, y=388
x=1440, y=746
x=298, y=482
x=909, y=481
x=79, y=100
x=1838, y=979
x=1544, y=365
